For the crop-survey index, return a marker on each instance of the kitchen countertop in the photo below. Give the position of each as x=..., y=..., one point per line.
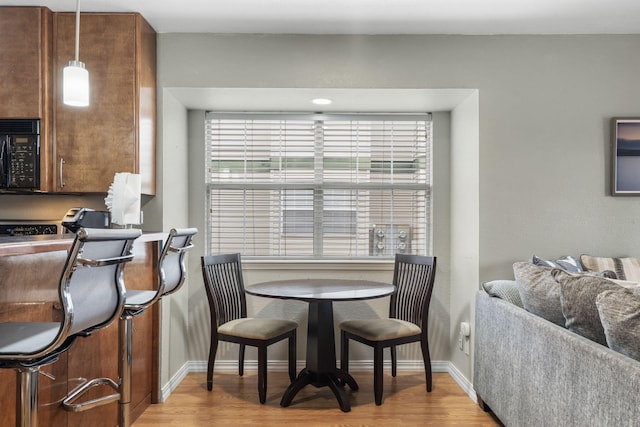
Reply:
x=23, y=245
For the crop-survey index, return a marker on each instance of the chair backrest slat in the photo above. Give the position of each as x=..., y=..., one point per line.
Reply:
x=413, y=276
x=224, y=285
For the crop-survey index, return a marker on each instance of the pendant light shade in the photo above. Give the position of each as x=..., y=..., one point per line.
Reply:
x=75, y=77
x=76, y=84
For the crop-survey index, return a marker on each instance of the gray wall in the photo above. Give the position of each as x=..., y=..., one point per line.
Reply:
x=170, y=209
x=542, y=155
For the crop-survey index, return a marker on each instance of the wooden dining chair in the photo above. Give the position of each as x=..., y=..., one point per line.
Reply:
x=413, y=278
x=229, y=322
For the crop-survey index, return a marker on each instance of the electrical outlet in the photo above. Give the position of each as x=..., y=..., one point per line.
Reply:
x=465, y=329
x=460, y=342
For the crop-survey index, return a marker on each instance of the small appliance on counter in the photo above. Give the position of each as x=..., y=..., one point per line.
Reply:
x=77, y=218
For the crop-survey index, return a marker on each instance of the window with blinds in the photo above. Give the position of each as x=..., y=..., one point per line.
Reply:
x=318, y=186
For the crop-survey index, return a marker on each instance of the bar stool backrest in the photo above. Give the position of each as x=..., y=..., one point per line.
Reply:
x=171, y=267
x=91, y=286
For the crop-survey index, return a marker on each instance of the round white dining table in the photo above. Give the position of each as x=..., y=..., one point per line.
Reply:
x=321, y=369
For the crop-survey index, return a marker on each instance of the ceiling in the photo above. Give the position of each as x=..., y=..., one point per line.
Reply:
x=372, y=16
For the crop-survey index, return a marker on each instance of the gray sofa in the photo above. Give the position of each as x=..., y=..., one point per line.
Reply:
x=531, y=372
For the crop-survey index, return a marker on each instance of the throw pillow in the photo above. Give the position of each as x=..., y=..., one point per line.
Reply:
x=624, y=268
x=578, y=294
x=504, y=289
x=567, y=262
x=620, y=315
x=632, y=286
x=539, y=292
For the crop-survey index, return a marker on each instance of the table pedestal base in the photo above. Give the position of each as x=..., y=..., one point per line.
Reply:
x=321, y=367
x=334, y=380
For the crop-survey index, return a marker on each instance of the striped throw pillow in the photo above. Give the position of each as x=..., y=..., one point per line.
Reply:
x=625, y=268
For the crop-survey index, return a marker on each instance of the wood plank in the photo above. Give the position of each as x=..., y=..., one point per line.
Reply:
x=234, y=402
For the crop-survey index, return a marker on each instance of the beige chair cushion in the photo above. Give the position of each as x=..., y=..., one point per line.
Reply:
x=253, y=328
x=381, y=329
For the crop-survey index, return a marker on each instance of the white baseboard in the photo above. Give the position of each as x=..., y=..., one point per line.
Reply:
x=175, y=380
x=282, y=366
x=462, y=381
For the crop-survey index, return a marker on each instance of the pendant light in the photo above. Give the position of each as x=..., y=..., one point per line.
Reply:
x=75, y=77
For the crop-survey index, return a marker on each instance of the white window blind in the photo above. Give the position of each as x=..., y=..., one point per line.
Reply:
x=318, y=185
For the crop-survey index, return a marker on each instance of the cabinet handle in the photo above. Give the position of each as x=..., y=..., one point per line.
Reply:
x=61, y=163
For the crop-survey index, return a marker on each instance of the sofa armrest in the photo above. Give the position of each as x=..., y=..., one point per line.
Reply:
x=531, y=372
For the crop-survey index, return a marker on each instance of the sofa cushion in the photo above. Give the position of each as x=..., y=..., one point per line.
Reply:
x=504, y=289
x=539, y=292
x=578, y=294
x=624, y=268
x=567, y=262
x=619, y=312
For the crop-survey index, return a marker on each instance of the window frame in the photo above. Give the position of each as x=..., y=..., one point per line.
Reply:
x=427, y=187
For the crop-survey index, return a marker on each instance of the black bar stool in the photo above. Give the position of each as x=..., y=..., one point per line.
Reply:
x=91, y=293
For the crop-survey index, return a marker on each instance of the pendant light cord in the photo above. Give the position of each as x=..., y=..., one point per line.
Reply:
x=77, y=29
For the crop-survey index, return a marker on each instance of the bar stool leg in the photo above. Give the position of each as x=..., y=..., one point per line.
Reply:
x=27, y=403
x=124, y=369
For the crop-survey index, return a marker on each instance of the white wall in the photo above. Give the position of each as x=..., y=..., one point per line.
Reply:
x=543, y=157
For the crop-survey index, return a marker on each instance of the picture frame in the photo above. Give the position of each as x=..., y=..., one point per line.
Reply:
x=625, y=168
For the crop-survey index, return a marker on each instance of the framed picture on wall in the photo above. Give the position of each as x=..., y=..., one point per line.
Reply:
x=625, y=156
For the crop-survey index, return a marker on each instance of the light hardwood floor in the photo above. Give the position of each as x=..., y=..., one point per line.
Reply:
x=234, y=402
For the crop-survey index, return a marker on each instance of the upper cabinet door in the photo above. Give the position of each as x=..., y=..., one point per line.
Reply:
x=116, y=133
x=25, y=78
x=25, y=53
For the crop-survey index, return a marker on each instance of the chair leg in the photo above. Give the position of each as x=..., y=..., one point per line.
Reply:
x=394, y=368
x=124, y=369
x=27, y=400
x=424, y=344
x=344, y=351
x=378, y=361
x=212, y=359
x=262, y=373
x=292, y=356
x=241, y=360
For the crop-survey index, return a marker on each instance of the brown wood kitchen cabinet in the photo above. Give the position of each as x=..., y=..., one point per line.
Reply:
x=116, y=133
x=25, y=78
x=25, y=51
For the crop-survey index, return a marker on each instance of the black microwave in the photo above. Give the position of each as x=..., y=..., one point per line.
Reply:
x=19, y=154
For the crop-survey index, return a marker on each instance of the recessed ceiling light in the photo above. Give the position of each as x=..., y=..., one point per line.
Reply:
x=321, y=101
